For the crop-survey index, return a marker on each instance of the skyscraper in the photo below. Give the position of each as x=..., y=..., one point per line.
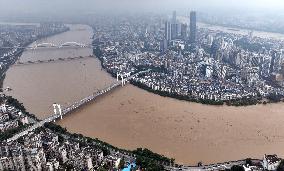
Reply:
x=272, y=63
x=282, y=69
x=168, y=31
x=174, y=31
x=174, y=19
x=192, y=35
x=163, y=45
x=183, y=31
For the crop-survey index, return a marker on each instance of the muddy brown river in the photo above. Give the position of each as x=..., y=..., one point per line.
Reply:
x=130, y=117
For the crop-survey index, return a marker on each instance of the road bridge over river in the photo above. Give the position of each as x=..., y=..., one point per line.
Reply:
x=48, y=45
x=76, y=105
x=51, y=60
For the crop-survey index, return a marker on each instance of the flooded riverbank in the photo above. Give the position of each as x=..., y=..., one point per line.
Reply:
x=240, y=31
x=189, y=132
x=130, y=117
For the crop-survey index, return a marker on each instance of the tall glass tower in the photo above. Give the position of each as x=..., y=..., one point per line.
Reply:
x=192, y=35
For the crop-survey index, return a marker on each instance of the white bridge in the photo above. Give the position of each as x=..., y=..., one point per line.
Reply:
x=47, y=45
x=63, y=45
x=59, y=113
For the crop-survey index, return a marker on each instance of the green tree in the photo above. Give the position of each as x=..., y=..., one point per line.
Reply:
x=281, y=166
x=248, y=161
x=121, y=164
x=102, y=169
x=237, y=168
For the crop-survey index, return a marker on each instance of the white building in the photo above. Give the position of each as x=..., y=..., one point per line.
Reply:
x=271, y=162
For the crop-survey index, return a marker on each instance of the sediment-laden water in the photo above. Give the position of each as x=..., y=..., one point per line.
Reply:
x=130, y=117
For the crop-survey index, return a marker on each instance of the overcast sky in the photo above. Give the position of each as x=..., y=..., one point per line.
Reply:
x=55, y=6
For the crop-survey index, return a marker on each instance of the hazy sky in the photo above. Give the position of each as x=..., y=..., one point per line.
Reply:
x=55, y=6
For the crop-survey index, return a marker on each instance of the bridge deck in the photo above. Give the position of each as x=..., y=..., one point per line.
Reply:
x=51, y=60
x=72, y=108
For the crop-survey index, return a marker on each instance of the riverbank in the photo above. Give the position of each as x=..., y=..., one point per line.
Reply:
x=143, y=157
x=238, y=27
x=20, y=51
x=245, y=101
x=152, y=159
x=189, y=132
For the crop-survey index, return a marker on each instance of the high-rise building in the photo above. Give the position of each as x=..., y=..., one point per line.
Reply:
x=282, y=69
x=183, y=31
x=174, y=31
x=192, y=35
x=174, y=19
x=168, y=32
x=277, y=61
x=273, y=61
x=163, y=45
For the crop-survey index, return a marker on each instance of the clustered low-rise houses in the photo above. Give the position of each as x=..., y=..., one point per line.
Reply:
x=218, y=67
x=14, y=39
x=11, y=117
x=50, y=149
x=45, y=150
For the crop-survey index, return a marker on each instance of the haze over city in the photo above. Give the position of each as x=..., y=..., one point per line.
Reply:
x=55, y=6
x=132, y=85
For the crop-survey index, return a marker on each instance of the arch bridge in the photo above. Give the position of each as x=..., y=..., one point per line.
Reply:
x=47, y=45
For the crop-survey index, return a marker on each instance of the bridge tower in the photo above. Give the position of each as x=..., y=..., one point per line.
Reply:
x=123, y=81
x=117, y=76
x=127, y=75
x=123, y=78
x=57, y=107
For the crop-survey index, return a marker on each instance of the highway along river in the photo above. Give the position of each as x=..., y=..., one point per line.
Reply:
x=130, y=117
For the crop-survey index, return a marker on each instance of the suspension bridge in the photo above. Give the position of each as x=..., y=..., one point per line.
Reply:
x=59, y=113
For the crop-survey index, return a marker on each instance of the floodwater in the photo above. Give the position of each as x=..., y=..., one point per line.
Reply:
x=261, y=34
x=240, y=31
x=130, y=117
x=38, y=86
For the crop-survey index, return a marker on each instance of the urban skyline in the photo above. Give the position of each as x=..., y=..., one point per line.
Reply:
x=115, y=87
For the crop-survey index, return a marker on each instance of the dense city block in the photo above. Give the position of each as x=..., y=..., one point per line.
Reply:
x=201, y=65
x=164, y=55
x=14, y=39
